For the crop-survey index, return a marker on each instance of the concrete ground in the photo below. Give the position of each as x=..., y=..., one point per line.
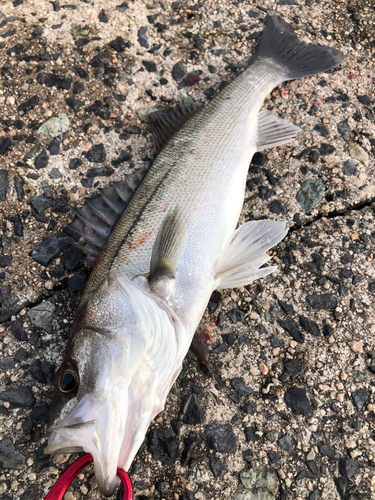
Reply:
x=288, y=409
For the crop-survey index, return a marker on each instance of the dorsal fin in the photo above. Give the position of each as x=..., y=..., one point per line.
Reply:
x=99, y=215
x=166, y=123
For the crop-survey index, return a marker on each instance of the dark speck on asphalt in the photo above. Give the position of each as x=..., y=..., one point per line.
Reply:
x=349, y=168
x=10, y=457
x=41, y=160
x=54, y=147
x=150, y=66
x=325, y=301
x=75, y=163
x=359, y=397
x=5, y=144
x=118, y=44
x=96, y=154
x=50, y=248
x=296, y=400
x=19, y=397
x=220, y=437
x=4, y=184
x=178, y=71
x=18, y=331
x=309, y=326
x=321, y=130
x=142, y=38
x=292, y=328
x=192, y=412
x=285, y=443
x=292, y=369
x=162, y=445
x=326, y=149
x=344, y=130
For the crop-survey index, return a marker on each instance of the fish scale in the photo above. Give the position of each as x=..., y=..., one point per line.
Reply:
x=174, y=244
x=192, y=165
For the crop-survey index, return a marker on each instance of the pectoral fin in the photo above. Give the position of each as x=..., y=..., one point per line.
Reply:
x=169, y=245
x=272, y=131
x=241, y=263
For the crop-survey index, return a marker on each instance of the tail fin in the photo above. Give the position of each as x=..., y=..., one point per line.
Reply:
x=280, y=43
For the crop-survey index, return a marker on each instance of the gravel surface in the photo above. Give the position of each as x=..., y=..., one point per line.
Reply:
x=288, y=409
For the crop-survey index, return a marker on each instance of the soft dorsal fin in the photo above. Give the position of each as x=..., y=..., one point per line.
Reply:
x=99, y=215
x=166, y=123
x=168, y=247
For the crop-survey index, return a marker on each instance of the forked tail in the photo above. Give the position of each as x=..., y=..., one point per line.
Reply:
x=297, y=59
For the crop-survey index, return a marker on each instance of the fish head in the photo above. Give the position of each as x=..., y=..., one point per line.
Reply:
x=120, y=363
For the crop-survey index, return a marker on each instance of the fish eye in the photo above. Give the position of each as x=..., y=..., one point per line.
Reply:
x=68, y=382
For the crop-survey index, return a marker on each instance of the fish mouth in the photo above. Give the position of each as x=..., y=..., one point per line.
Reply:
x=74, y=436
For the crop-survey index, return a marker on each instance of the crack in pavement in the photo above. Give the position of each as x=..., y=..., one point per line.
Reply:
x=355, y=207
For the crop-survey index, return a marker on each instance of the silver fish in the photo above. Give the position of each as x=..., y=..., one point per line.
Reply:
x=174, y=244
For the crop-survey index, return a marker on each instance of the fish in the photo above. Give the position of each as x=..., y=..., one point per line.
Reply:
x=173, y=243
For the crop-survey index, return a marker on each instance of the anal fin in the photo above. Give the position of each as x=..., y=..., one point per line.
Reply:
x=241, y=263
x=272, y=131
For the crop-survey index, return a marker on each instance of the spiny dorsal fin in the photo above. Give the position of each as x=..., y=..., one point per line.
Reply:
x=168, y=247
x=99, y=215
x=166, y=123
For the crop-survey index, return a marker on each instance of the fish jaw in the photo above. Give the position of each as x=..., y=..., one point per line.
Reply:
x=88, y=428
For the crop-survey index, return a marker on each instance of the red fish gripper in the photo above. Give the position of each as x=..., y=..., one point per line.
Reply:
x=58, y=490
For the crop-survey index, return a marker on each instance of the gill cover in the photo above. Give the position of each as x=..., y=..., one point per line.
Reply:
x=128, y=354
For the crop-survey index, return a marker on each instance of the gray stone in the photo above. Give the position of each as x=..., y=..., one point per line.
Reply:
x=40, y=204
x=178, y=71
x=359, y=398
x=348, y=467
x=314, y=495
x=286, y=444
x=310, y=194
x=41, y=161
x=349, y=168
x=344, y=130
x=55, y=173
x=257, y=485
x=163, y=487
x=236, y=315
x=216, y=466
x=6, y=364
x=358, y=153
x=10, y=458
x=55, y=126
x=19, y=397
x=42, y=315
